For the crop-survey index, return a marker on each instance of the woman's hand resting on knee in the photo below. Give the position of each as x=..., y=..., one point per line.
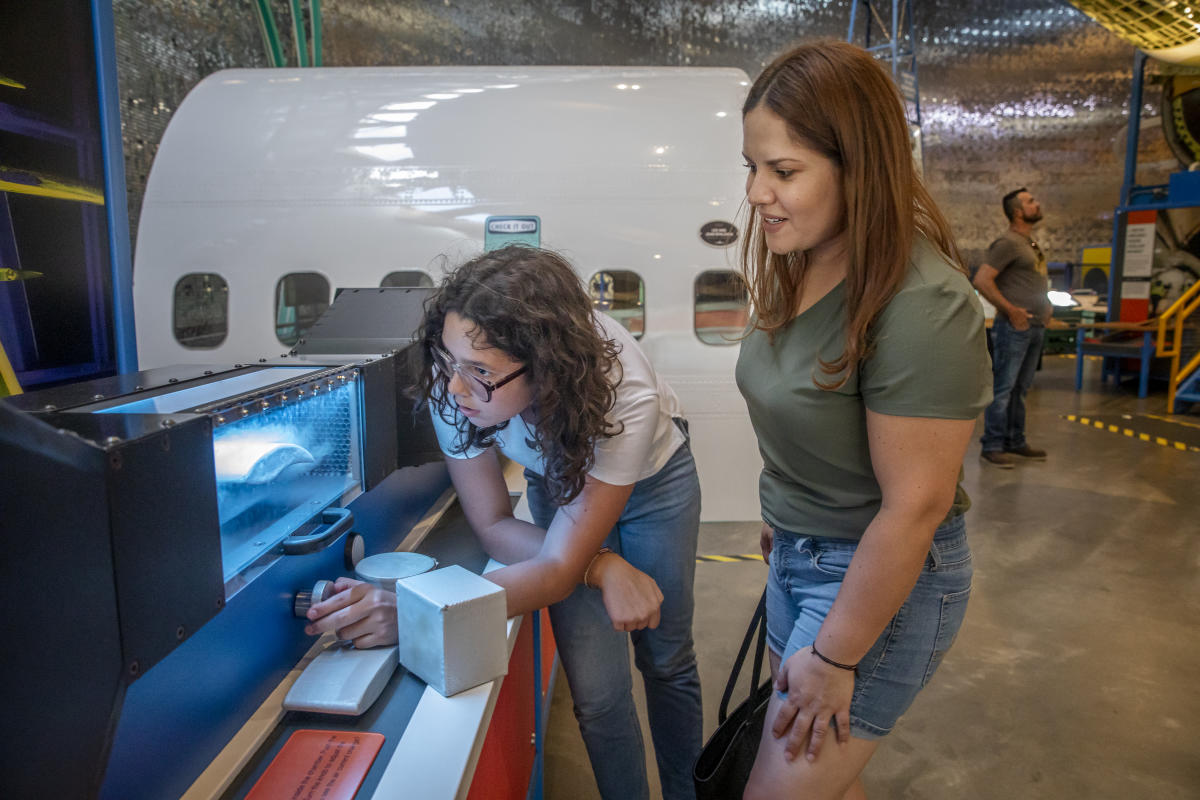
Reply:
x=631, y=597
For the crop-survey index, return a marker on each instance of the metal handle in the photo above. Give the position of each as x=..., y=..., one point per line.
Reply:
x=335, y=522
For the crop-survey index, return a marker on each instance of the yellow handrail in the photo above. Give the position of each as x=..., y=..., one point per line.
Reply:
x=1180, y=310
x=1174, y=310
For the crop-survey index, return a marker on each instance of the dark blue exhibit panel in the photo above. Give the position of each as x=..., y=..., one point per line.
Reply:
x=181, y=713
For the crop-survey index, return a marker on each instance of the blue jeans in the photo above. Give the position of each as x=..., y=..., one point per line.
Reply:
x=805, y=577
x=1014, y=363
x=657, y=534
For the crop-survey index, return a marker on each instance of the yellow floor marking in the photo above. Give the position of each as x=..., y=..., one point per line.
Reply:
x=732, y=559
x=1173, y=421
x=1145, y=437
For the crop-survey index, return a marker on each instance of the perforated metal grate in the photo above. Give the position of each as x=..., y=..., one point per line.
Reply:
x=1149, y=24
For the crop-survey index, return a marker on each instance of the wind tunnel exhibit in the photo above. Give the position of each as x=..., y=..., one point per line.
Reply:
x=180, y=511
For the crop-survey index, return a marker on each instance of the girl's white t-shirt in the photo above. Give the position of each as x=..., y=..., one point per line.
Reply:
x=645, y=405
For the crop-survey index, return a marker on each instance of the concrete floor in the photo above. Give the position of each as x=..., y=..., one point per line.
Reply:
x=1075, y=673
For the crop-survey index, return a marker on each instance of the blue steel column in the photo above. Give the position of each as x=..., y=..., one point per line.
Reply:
x=895, y=40
x=912, y=45
x=1131, y=150
x=124, y=337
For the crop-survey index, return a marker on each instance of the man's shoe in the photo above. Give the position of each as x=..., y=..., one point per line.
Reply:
x=998, y=459
x=1032, y=453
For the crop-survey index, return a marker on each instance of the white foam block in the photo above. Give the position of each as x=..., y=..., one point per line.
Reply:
x=452, y=626
x=342, y=680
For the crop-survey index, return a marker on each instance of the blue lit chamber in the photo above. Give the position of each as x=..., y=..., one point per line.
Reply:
x=280, y=468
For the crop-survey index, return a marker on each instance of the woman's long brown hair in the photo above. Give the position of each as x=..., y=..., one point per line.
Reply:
x=837, y=100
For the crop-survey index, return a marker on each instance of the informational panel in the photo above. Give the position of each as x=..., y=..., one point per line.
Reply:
x=1137, y=265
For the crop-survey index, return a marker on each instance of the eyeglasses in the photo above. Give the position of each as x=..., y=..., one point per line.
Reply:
x=481, y=388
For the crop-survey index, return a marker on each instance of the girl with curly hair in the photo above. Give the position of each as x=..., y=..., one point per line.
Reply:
x=517, y=362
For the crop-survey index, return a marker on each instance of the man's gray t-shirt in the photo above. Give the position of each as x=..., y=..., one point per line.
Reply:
x=1023, y=276
x=929, y=359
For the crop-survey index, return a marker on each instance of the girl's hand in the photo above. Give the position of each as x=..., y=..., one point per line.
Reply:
x=817, y=694
x=766, y=540
x=631, y=597
x=359, y=612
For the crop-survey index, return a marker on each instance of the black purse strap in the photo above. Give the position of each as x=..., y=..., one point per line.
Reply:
x=758, y=625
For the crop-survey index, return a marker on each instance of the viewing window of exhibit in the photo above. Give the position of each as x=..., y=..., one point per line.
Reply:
x=300, y=297
x=278, y=468
x=201, y=310
x=407, y=279
x=722, y=306
x=622, y=295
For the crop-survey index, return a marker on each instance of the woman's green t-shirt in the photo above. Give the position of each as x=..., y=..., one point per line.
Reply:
x=928, y=359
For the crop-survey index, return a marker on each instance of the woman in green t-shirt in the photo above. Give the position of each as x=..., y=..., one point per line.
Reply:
x=864, y=372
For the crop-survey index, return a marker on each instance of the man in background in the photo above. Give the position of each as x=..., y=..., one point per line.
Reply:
x=1013, y=278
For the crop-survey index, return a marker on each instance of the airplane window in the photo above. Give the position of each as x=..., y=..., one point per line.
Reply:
x=201, y=310
x=722, y=306
x=407, y=278
x=622, y=295
x=300, y=297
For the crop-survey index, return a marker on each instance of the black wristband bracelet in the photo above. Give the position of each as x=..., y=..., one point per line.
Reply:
x=830, y=661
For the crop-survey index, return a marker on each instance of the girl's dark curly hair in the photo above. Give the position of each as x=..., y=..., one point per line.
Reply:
x=530, y=304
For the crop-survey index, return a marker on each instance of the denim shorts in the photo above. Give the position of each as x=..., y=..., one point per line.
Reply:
x=806, y=573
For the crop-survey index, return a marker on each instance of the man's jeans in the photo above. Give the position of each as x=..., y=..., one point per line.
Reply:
x=1014, y=361
x=657, y=534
